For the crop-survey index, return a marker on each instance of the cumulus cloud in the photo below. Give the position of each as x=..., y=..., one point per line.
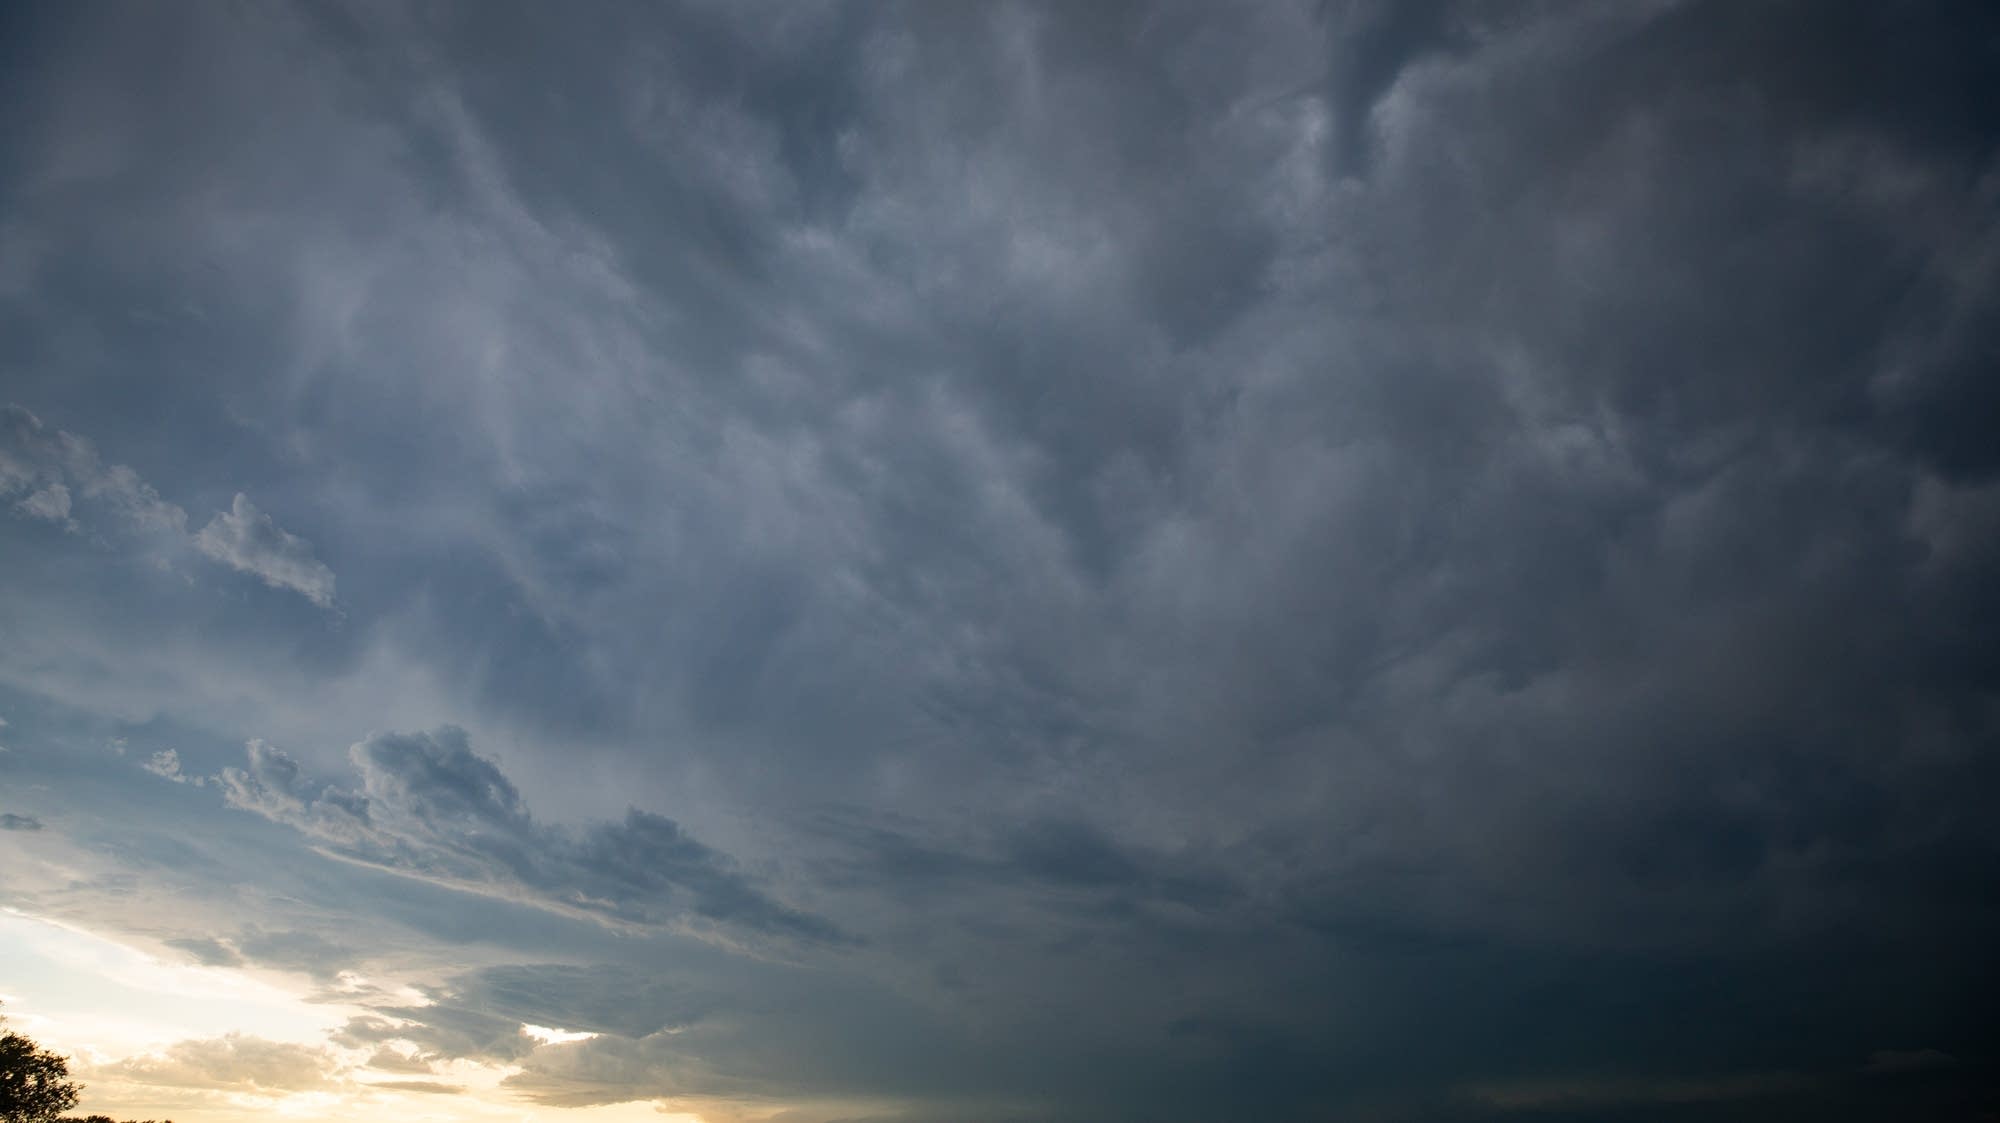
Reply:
x=245, y=539
x=166, y=764
x=430, y=807
x=51, y=503
x=389, y=1060
x=234, y=1062
x=43, y=465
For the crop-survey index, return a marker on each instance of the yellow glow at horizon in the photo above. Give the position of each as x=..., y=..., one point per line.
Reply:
x=99, y=1001
x=96, y=998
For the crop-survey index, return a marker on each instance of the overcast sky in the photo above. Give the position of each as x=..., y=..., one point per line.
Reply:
x=979, y=563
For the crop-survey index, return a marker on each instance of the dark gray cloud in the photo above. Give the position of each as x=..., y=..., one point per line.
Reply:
x=482, y=1013
x=429, y=807
x=306, y=951
x=207, y=951
x=9, y=821
x=1332, y=560
x=1891, y=1062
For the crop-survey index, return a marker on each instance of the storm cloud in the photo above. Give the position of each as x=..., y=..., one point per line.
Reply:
x=1032, y=561
x=431, y=808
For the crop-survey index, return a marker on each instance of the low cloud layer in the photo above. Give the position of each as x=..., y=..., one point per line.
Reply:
x=235, y=1062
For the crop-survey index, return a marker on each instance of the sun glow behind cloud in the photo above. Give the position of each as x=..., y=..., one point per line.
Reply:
x=548, y=1036
x=94, y=997
x=127, y=1019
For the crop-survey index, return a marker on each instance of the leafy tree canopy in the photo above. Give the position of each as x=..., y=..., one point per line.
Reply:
x=35, y=1086
x=34, y=1083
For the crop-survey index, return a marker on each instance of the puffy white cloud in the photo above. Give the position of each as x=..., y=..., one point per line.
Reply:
x=246, y=539
x=53, y=467
x=50, y=503
x=166, y=764
x=43, y=465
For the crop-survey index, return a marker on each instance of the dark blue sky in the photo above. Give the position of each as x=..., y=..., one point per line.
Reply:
x=1043, y=563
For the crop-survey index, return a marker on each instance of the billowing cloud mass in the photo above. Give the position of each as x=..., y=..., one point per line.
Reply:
x=36, y=460
x=431, y=808
x=246, y=539
x=40, y=464
x=235, y=1061
x=1028, y=561
x=51, y=503
x=166, y=764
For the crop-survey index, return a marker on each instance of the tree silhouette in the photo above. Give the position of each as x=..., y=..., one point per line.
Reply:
x=35, y=1086
x=34, y=1083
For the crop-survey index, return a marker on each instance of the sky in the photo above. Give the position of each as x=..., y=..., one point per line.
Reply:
x=1002, y=563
